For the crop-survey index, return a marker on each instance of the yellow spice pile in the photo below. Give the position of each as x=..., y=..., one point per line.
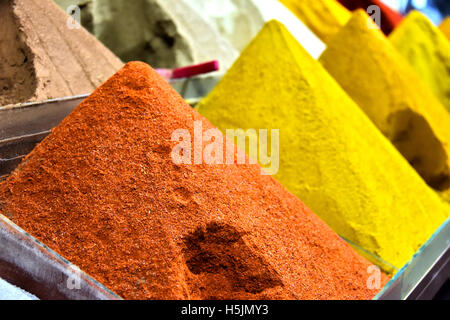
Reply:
x=445, y=27
x=377, y=77
x=428, y=52
x=331, y=155
x=323, y=17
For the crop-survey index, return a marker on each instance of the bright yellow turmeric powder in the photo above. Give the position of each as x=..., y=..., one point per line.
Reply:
x=331, y=155
x=323, y=17
x=427, y=50
x=445, y=27
x=384, y=85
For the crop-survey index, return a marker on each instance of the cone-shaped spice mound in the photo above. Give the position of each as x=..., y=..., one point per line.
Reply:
x=42, y=58
x=428, y=52
x=323, y=17
x=385, y=86
x=389, y=18
x=331, y=155
x=445, y=27
x=103, y=191
x=164, y=33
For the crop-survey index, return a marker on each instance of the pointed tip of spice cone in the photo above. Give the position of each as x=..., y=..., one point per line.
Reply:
x=323, y=17
x=393, y=95
x=334, y=158
x=390, y=18
x=427, y=50
x=104, y=192
x=46, y=55
x=416, y=20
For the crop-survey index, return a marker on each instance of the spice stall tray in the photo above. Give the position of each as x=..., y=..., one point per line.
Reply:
x=193, y=89
x=22, y=127
x=25, y=125
x=30, y=265
x=426, y=273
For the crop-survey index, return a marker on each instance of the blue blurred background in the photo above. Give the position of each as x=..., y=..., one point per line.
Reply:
x=436, y=10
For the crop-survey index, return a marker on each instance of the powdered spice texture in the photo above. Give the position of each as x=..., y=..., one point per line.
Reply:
x=323, y=17
x=103, y=191
x=445, y=27
x=388, y=17
x=402, y=106
x=164, y=33
x=42, y=58
x=428, y=52
x=331, y=155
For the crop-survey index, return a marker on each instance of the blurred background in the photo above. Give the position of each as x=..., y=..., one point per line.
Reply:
x=436, y=10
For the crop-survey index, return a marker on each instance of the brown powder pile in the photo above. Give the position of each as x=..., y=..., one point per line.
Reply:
x=103, y=191
x=42, y=58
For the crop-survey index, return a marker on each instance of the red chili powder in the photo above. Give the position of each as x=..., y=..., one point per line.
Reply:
x=103, y=191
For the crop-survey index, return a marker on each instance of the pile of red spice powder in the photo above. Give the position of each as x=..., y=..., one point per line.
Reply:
x=103, y=191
